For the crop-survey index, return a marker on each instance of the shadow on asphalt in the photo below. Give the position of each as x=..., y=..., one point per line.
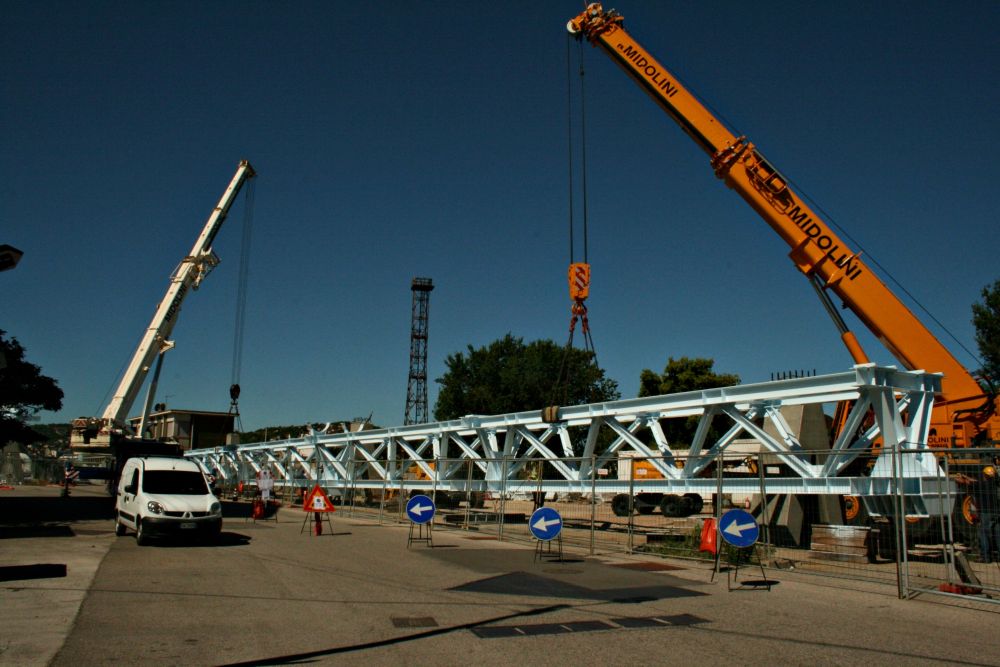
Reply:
x=36, y=571
x=525, y=583
x=54, y=530
x=21, y=510
x=225, y=539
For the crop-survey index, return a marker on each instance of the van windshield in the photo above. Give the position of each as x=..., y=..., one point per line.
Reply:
x=180, y=482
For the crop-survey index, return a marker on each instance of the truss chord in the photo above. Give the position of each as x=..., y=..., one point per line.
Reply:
x=443, y=451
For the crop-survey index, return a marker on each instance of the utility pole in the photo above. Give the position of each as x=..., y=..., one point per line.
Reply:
x=416, y=387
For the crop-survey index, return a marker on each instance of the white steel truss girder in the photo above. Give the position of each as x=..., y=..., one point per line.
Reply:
x=500, y=448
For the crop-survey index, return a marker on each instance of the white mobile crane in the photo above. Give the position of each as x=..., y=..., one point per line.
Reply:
x=110, y=432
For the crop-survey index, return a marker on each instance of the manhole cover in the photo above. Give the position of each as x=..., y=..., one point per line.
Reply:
x=648, y=567
x=414, y=622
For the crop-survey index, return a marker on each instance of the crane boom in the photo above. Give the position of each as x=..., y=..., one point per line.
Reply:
x=816, y=250
x=155, y=341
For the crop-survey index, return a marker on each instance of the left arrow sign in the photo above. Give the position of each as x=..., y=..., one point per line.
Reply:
x=737, y=528
x=543, y=525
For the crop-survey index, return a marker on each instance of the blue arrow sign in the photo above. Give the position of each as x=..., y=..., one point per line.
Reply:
x=420, y=509
x=545, y=523
x=739, y=528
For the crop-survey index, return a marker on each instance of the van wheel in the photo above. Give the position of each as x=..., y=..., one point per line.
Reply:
x=119, y=528
x=140, y=535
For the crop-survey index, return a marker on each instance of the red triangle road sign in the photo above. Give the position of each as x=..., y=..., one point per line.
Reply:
x=317, y=501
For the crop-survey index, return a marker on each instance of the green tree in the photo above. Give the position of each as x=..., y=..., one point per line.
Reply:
x=509, y=375
x=24, y=391
x=986, y=319
x=684, y=374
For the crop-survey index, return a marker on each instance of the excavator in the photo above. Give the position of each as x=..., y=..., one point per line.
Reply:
x=965, y=414
x=110, y=433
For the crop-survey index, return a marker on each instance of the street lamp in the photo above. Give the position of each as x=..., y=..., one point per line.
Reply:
x=9, y=257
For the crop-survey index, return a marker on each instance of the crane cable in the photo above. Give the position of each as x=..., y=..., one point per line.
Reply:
x=241, y=303
x=579, y=272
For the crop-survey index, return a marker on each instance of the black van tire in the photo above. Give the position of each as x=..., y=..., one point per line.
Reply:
x=140, y=534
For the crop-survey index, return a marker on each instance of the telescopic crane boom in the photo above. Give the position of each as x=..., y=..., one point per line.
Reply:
x=91, y=433
x=965, y=415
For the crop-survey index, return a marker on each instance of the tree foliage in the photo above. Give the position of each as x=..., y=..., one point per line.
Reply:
x=24, y=391
x=684, y=374
x=509, y=375
x=986, y=319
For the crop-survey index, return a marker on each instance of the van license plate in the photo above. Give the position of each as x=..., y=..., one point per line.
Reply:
x=190, y=525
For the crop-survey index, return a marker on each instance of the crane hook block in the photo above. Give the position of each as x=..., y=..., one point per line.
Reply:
x=579, y=281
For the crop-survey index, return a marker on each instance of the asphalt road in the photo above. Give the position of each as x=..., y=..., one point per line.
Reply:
x=273, y=594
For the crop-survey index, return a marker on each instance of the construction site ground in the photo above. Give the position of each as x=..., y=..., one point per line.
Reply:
x=272, y=592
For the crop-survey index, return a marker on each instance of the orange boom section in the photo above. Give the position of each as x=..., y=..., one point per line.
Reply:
x=815, y=249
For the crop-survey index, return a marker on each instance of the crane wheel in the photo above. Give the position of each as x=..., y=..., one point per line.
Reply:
x=852, y=508
x=674, y=506
x=969, y=510
x=622, y=505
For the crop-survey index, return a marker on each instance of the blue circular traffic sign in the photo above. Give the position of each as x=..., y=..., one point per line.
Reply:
x=739, y=528
x=420, y=509
x=545, y=523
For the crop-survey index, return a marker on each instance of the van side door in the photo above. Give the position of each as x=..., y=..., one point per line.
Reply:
x=127, y=501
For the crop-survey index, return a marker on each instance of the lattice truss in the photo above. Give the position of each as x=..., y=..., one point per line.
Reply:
x=494, y=453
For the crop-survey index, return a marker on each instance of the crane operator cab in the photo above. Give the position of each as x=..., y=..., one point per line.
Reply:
x=160, y=496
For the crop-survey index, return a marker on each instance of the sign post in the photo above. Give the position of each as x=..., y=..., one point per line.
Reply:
x=420, y=510
x=739, y=528
x=545, y=525
x=317, y=502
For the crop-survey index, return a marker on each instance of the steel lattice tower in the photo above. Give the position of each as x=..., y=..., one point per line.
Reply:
x=416, y=387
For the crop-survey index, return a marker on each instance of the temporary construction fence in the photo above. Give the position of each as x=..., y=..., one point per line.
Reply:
x=873, y=503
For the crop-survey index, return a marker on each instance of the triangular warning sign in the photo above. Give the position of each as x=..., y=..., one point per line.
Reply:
x=317, y=501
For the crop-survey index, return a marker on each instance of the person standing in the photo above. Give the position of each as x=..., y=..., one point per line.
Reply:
x=984, y=495
x=266, y=483
x=70, y=476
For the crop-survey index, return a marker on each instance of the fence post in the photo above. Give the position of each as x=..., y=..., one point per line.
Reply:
x=593, y=502
x=468, y=493
x=900, y=520
x=503, y=497
x=764, y=507
x=385, y=489
x=947, y=530
x=401, y=505
x=352, y=474
x=434, y=488
x=631, y=503
x=718, y=511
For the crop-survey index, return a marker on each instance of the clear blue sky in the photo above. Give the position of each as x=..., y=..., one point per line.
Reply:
x=401, y=139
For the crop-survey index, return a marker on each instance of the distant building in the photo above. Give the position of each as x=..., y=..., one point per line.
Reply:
x=191, y=429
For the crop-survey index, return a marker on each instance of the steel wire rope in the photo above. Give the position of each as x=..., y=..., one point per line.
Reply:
x=588, y=339
x=241, y=296
x=565, y=373
x=569, y=140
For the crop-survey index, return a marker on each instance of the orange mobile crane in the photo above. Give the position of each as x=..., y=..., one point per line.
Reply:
x=964, y=414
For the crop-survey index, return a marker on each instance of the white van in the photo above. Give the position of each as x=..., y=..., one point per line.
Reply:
x=165, y=496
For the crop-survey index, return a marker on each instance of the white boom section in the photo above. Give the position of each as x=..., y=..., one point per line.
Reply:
x=493, y=453
x=188, y=275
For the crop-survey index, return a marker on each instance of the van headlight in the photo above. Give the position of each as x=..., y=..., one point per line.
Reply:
x=216, y=508
x=154, y=507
